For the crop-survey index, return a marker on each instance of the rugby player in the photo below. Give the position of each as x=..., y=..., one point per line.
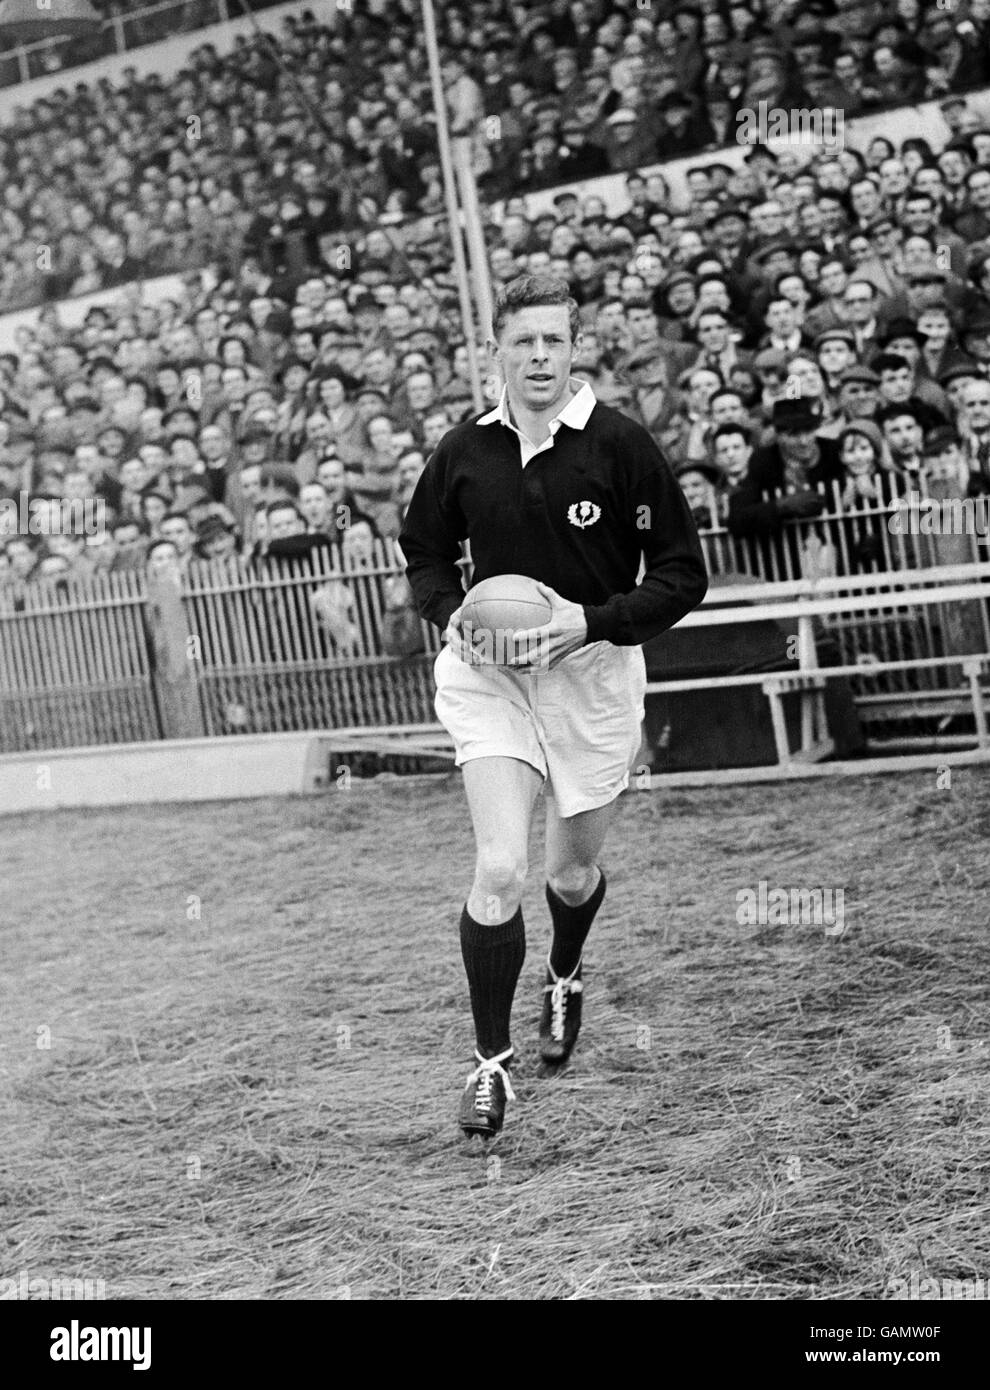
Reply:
x=556, y=486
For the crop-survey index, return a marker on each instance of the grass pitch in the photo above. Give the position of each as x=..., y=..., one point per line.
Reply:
x=234, y=1038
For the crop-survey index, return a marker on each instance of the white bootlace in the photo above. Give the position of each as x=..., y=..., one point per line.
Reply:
x=484, y=1074
x=558, y=992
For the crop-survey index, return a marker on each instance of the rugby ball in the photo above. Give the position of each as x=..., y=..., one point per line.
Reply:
x=498, y=608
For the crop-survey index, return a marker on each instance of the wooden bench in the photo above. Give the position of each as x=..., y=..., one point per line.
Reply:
x=808, y=601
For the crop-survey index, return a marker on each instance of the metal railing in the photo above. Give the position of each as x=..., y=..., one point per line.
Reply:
x=303, y=643
x=75, y=665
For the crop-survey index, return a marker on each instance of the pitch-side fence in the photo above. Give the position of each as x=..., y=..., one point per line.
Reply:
x=300, y=644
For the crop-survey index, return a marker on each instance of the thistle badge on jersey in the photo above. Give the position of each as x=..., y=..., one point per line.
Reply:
x=583, y=514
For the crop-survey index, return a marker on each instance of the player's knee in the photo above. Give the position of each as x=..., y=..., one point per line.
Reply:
x=501, y=873
x=572, y=880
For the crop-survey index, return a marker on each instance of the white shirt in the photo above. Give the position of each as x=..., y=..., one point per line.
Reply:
x=575, y=413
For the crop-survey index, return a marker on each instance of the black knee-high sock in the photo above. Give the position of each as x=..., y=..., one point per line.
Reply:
x=571, y=926
x=493, y=957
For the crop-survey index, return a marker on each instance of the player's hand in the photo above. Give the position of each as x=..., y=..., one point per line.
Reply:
x=454, y=637
x=547, y=646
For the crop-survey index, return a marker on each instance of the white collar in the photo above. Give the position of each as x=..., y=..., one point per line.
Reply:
x=575, y=413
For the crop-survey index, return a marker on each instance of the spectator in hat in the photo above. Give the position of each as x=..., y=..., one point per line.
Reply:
x=676, y=300
x=956, y=373
x=974, y=337
x=580, y=157
x=866, y=491
x=648, y=398
x=945, y=463
x=540, y=162
x=730, y=243
x=215, y=539
x=770, y=365
x=858, y=394
x=628, y=139
x=683, y=126
x=700, y=482
x=861, y=451
x=903, y=339
x=795, y=464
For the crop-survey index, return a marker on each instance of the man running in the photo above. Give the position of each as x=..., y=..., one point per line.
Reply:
x=556, y=486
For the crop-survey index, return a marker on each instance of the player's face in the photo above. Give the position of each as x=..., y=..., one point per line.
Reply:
x=534, y=352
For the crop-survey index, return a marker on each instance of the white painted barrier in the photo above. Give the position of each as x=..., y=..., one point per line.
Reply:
x=131, y=774
x=165, y=58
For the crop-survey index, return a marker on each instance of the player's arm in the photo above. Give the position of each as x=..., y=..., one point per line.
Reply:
x=676, y=577
x=430, y=540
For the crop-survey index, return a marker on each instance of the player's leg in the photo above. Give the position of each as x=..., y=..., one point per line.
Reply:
x=501, y=793
x=575, y=889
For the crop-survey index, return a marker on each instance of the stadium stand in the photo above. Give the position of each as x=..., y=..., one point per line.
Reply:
x=806, y=332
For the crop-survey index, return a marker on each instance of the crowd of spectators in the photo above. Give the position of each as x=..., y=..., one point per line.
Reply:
x=277, y=145
x=125, y=26
x=799, y=320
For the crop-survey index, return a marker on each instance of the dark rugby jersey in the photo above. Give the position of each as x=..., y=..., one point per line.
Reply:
x=578, y=517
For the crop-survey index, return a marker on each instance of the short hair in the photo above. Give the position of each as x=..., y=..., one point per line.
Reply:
x=731, y=427
x=280, y=475
x=175, y=516
x=787, y=275
x=894, y=412
x=532, y=292
x=284, y=504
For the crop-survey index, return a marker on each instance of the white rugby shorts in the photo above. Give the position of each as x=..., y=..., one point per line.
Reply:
x=579, y=724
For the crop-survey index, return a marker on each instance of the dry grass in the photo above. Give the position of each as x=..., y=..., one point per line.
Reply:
x=260, y=1103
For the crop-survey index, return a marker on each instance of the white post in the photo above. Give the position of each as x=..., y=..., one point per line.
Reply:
x=450, y=198
x=477, y=251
